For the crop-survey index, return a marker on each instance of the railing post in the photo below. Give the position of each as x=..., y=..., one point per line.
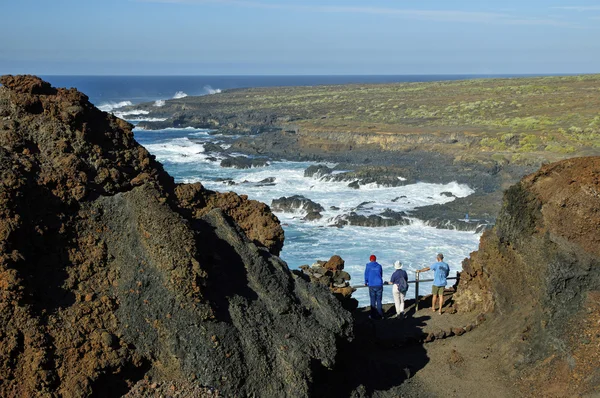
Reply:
x=417, y=292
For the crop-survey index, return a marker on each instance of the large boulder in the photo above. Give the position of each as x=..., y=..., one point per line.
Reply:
x=538, y=270
x=110, y=273
x=295, y=203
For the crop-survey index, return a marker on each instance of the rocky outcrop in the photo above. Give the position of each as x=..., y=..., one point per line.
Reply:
x=317, y=170
x=476, y=212
x=538, y=271
x=242, y=162
x=388, y=218
x=111, y=273
x=255, y=218
x=331, y=274
x=295, y=203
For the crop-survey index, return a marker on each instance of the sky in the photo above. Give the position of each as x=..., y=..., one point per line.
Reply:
x=299, y=37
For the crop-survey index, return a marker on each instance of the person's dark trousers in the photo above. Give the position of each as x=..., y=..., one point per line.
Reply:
x=375, y=294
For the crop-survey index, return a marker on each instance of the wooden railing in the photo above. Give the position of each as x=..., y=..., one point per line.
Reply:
x=416, y=282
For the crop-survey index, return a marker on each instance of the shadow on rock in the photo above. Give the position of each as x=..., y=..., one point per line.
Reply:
x=226, y=269
x=383, y=355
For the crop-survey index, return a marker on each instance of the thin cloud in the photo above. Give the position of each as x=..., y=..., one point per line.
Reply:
x=429, y=15
x=578, y=8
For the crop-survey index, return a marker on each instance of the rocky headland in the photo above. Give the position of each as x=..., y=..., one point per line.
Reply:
x=116, y=281
x=111, y=273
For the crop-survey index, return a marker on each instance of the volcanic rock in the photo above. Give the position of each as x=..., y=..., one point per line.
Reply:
x=538, y=270
x=318, y=170
x=313, y=216
x=369, y=221
x=335, y=263
x=294, y=203
x=242, y=162
x=212, y=147
x=330, y=273
x=111, y=273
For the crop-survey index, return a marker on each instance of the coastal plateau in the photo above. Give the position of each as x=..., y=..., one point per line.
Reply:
x=487, y=133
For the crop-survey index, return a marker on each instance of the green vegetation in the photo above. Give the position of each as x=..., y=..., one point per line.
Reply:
x=547, y=117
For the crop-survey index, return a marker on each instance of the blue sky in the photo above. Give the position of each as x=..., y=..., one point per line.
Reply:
x=220, y=37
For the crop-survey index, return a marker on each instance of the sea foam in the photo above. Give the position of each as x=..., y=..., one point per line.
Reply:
x=210, y=90
x=182, y=152
x=110, y=106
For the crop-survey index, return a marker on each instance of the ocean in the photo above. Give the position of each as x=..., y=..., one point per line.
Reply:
x=182, y=153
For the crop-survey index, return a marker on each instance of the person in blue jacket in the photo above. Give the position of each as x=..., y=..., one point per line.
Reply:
x=374, y=279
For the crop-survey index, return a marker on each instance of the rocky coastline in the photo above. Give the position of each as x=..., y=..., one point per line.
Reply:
x=116, y=281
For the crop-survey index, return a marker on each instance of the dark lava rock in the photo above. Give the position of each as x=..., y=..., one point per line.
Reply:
x=212, y=147
x=226, y=181
x=369, y=221
x=241, y=162
x=294, y=203
x=111, y=273
x=318, y=170
x=267, y=182
x=396, y=215
x=313, y=216
x=380, y=175
x=448, y=194
x=481, y=209
x=363, y=206
x=354, y=185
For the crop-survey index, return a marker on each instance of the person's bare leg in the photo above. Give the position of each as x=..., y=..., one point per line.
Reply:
x=441, y=302
x=433, y=301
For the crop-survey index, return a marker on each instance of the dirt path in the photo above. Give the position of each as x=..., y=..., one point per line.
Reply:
x=423, y=355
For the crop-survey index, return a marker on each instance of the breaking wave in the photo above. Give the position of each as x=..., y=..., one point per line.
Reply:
x=110, y=106
x=123, y=115
x=210, y=90
x=179, y=94
x=159, y=103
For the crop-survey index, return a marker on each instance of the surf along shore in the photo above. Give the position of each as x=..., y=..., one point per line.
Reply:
x=115, y=280
x=487, y=133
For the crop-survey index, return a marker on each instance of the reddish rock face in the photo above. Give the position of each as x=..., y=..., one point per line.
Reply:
x=110, y=272
x=255, y=218
x=538, y=270
x=335, y=263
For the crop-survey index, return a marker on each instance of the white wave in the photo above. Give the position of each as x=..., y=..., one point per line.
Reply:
x=179, y=94
x=159, y=103
x=123, y=115
x=178, y=150
x=146, y=119
x=110, y=106
x=210, y=90
x=415, y=244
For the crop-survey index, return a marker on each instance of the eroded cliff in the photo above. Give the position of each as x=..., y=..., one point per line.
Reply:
x=538, y=270
x=110, y=272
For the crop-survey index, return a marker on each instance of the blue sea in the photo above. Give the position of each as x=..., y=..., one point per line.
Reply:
x=182, y=153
